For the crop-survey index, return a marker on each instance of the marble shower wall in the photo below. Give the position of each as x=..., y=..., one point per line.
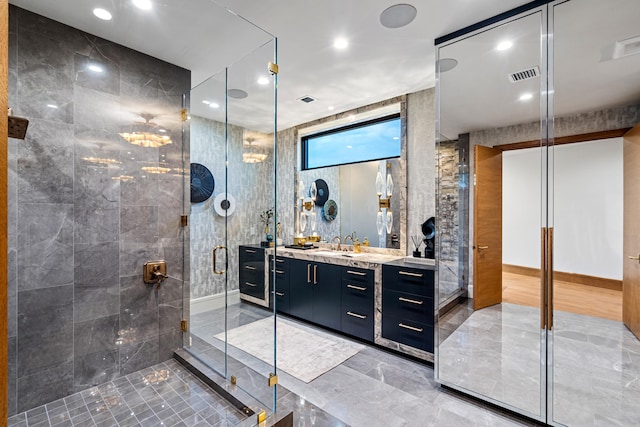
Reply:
x=80, y=229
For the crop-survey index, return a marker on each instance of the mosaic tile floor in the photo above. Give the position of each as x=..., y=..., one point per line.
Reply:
x=163, y=395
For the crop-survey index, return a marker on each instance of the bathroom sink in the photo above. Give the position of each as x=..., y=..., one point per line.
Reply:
x=326, y=253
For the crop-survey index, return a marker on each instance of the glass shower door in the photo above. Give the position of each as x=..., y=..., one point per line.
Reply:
x=492, y=343
x=231, y=129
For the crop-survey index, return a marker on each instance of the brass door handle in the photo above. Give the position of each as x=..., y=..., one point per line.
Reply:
x=359, y=316
x=214, y=260
x=315, y=274
x=481, y=248
x=308, y=273
x=635, y=258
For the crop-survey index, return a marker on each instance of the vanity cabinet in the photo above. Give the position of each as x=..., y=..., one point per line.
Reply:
x=280, y=290
x=251, y=273
x=314, y=292
x=358, y=302
x=407, y=306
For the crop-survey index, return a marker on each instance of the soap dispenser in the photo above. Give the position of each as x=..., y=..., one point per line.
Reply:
x=356, y=246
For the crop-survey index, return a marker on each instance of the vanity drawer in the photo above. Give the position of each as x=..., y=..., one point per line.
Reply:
x=412, y=280
x=414, y=334
x=252, y=288
x=403, y=305
x=356, y=274
x=281, y=297
x=248, y=253
x=358, y=323
x=357, y=294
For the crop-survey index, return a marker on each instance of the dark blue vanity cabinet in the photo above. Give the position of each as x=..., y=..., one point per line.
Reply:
x=280, y=292
x=251, y=271
x=407, y=305
x=315, y=292
x=358, y=302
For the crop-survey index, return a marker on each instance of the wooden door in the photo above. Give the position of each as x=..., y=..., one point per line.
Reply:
x=631, y=232
x=487, y=226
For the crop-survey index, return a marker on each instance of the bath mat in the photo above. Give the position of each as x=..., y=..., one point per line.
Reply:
x=302, y=354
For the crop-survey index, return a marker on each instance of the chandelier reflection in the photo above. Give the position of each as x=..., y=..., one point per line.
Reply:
x=146, y=134
x=253, y=153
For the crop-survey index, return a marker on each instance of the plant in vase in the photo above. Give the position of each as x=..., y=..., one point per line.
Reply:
x=265, y=219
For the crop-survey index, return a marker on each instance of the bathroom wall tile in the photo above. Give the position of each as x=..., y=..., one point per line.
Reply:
x=94, y=224
x=67, y=37
x=45, y=386
x=95, y=368
x=95, y=336
x=45, y=329
x=12, y=89
x=139, y=224
x=170, y=314
x=12, y=293
x=169, y=228
x=45, y=68
x=170, y=290
x=138, y=309
x=145, y=76
x=168, y=343
x=96, y=118
x=12, y=379
x=142, y=190
x=170, y=188
x=107, y=80
x=134, y=255
x=45, y=245
x=138, y=355
x=13, y=36
x=45, y=163
x=96, y=281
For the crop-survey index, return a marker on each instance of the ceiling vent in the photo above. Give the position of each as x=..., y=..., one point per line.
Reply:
x=529, y=73
x=307, y=99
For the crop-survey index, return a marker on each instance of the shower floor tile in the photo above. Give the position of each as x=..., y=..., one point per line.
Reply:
x=163, y=395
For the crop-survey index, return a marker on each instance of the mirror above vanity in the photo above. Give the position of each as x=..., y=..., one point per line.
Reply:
x=353, y=186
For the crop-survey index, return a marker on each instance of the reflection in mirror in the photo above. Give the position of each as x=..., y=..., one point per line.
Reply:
x=474, y=335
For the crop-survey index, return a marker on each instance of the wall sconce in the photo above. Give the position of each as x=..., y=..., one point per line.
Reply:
x=382, y=220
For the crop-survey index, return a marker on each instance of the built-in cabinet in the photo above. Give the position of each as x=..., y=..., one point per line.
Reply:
x=407, y=306
x=357, y=302
x=280, y=291
x=251, y=273
x=315, y=292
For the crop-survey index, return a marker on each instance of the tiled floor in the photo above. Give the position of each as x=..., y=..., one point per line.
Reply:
x=372, y=388
x=595, y=361
x=163, y=395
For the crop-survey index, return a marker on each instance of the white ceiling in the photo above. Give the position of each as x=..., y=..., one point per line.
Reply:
x=378, y=64
x=196, y=34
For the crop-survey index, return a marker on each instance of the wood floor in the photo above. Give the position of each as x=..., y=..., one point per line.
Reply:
x=571, y=297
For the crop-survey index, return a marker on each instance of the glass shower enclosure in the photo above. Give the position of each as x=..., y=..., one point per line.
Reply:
x=230, y=126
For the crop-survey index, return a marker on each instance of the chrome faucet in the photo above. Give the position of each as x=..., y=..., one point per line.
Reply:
x=334, y=240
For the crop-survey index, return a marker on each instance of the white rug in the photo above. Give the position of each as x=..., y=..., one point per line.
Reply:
x=302, y=354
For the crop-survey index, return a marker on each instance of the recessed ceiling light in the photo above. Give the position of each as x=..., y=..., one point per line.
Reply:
x=504, y=45
x=206, y=102
x=52, y=106
x=95, y=68
x=446, y=64
x=237, y=93
x=142, y=4
x=398, y=15
x=263, y=81
x=526, y=96
x=330, y=107
x=340, y=43
x=103, y=14
x=214, y=105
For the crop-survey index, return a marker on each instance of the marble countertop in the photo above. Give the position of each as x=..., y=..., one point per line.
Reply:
x=350, y=259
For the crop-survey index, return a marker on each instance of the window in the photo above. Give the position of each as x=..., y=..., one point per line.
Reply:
x=371, y=140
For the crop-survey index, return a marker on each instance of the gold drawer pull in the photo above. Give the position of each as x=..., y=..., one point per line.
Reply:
x=280, y=294
x=412, y=301
x=250, y=284
x=279, y=260
x=357, y=288
x=357, y=273
x=249, y=267
x=408, y=273
x=250, y=251
x=411, y=328
x=280, y=271
x=359, y=316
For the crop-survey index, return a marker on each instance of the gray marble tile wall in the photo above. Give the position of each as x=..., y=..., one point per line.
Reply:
x=80, y=230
